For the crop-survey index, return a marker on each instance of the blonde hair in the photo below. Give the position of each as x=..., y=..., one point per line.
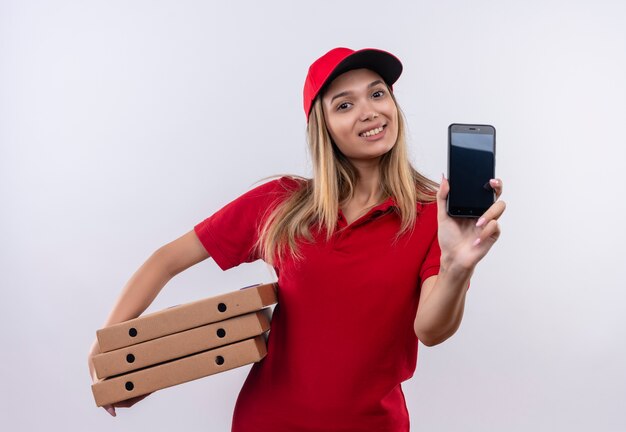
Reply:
x=316, y=201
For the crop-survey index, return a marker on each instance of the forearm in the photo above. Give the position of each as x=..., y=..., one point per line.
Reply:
x=440, y=314
x=137, y=295
x=151, y=277
x=141, y=289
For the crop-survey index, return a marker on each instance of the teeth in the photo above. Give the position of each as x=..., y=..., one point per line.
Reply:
x=372, y=132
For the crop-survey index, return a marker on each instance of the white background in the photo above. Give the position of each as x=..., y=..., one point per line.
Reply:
x=124, y=123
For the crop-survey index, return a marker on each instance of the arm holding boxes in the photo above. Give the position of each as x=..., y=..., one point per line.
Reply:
x=143, y=287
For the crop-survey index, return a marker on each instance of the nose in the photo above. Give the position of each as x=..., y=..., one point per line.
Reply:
x=369, y=113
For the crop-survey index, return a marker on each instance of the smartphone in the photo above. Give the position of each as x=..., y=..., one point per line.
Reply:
x=471, y=164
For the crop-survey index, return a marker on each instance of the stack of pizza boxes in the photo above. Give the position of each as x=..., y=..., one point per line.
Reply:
x=182, y=343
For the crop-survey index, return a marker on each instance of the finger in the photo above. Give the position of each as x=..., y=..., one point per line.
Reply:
x=493, y=212
x=131, y=401
x=126, y=403
x=496, y=185
x=442, y=195
x=490, y=232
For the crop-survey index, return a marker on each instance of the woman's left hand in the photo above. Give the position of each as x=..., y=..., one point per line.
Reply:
x=465, y=241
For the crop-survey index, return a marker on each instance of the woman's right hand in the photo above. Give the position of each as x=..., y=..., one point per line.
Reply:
x=95, y=349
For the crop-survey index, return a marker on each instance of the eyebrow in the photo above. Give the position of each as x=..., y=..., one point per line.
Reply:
x=345, y=93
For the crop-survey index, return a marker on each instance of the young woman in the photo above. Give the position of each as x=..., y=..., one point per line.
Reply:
x=368, y=261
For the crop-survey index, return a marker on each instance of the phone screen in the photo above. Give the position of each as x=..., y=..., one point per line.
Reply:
x=471, y=163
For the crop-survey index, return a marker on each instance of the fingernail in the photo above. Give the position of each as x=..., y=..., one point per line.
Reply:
x=111, y=411
x=480, y=222
x=495, y=181
x=476, y=242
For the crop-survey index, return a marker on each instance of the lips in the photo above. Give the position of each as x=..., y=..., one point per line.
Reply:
x=372, y=131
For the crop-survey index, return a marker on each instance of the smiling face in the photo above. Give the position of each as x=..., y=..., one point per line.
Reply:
x=360, y=114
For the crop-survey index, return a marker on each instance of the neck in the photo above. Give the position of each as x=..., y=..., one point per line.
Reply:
x=367, y=189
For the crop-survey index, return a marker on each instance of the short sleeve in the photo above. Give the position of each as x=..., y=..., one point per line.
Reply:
x=431, y=263
x=430, y=266
x=229, y=235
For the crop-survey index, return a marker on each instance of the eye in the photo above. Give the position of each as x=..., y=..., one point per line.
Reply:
x=378, y=94
x=343, y=106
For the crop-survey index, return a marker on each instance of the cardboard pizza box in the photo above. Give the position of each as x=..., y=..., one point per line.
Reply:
x=186, y=316
x=179, y=371
x=181, y=344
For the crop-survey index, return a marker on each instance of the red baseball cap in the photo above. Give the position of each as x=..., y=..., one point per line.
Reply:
x=340, y=60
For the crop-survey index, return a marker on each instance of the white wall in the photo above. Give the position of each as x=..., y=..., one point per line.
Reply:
x=124, y=123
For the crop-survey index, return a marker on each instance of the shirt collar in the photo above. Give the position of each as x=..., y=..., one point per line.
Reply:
x=390, y=203
x=386, y=205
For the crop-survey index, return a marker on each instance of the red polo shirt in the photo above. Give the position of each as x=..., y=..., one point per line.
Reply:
x=342, y=339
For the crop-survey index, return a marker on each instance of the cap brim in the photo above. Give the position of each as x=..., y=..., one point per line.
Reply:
x=383, y=63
